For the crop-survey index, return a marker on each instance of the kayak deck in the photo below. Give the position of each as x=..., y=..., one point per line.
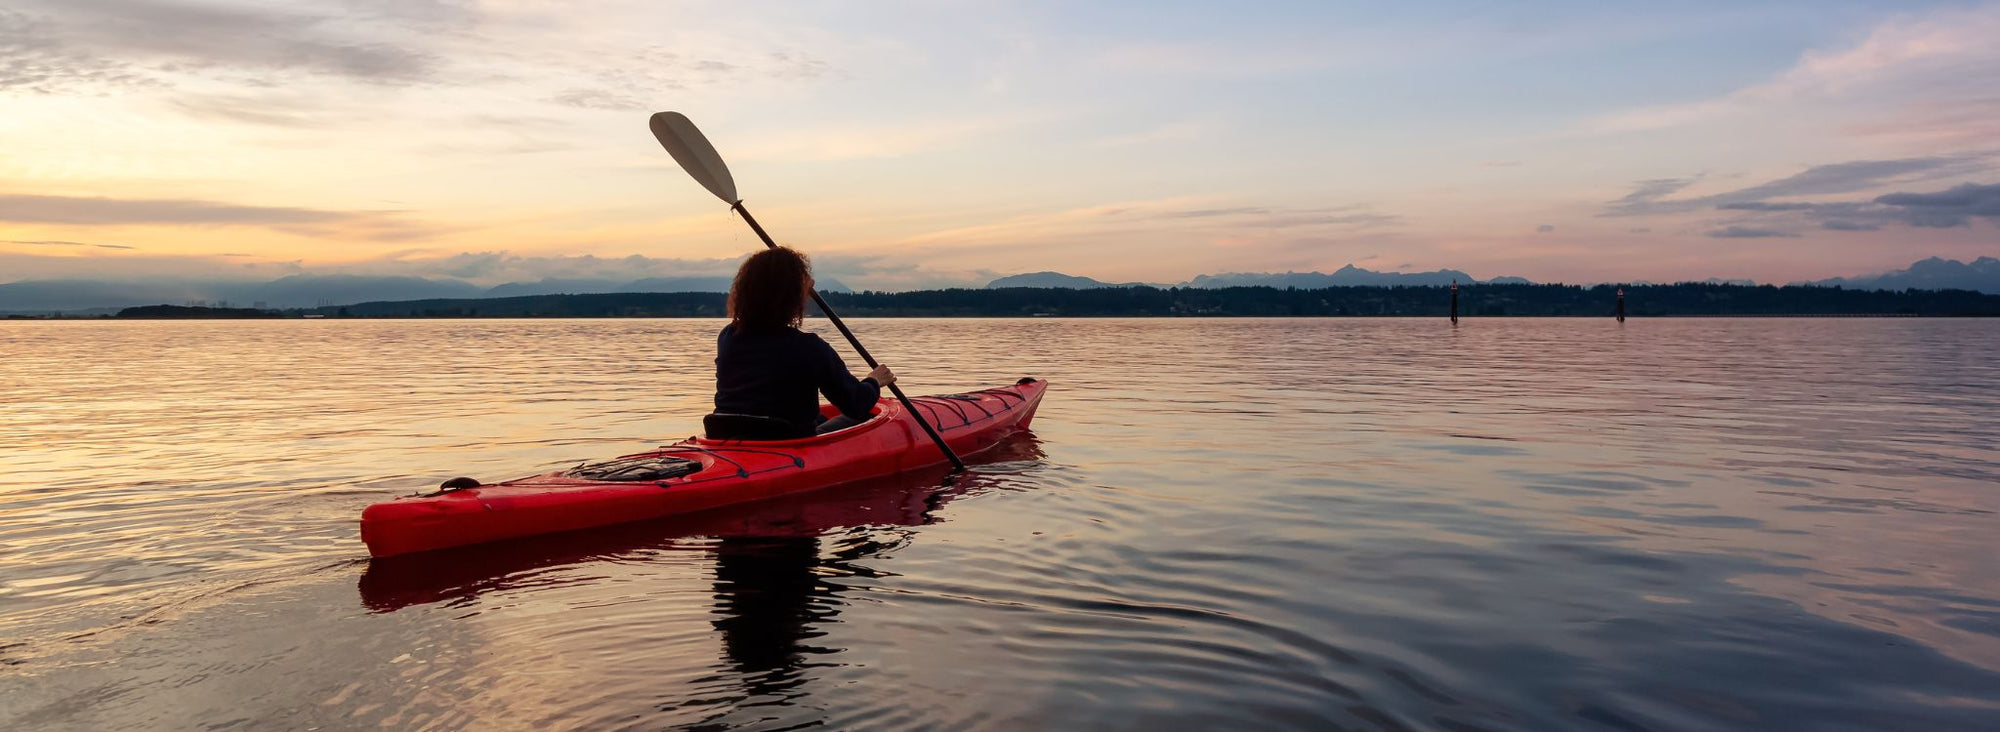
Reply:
x=705, y=474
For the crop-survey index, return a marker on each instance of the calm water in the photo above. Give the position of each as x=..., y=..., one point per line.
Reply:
x=1515, y=524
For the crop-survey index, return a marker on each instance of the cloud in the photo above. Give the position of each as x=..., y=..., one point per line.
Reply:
x=517, y=147
x=94, y=264
x=1943, y=55
x=81, y=45
x=485, y=268
x=32, y=209
x=632, y=80
x=229, y=61
x=1650, y=197
x=1545, y=228
x=65, y=244
x=1202, y=213
x=495, y=267
x=1198, y=59
x=1951, y=208
x=1746, y=232
x=25, y=209
x=1764, y=206
x=885, y=139
x=600, y=99
x=855, y=269
x=1354, y=220
x=76, y=211
x=516, y=123
x=1646, y=194
x=1141, y=225
x=32, y=60
x=1947, y=208
x=273, y=110
x=1957, y=122
x=490, y=134
x=1266, y=218
x=895, y=272
x=1859, y=175
x=1174, y=132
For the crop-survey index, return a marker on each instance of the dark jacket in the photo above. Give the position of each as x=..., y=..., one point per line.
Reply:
x=775, y=372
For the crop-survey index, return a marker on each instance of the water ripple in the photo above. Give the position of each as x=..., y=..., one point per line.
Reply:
x=1310, y=524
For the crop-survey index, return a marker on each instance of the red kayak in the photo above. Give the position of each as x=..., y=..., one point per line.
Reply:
x=698, y=474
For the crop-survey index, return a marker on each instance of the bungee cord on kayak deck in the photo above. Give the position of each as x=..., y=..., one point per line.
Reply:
x=741, y=472
x=635, y=469
x=953, y=401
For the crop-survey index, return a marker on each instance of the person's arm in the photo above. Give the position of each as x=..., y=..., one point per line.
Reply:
x=854, y=397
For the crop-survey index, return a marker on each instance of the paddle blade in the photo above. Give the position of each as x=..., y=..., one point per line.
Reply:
x=693, y=152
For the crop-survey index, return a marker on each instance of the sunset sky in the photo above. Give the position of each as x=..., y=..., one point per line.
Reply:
x=913, y=144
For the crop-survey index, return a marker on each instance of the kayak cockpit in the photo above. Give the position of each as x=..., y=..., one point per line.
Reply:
x=722, y=426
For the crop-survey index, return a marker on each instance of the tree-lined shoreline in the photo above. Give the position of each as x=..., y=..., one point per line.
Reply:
x=1486, y=300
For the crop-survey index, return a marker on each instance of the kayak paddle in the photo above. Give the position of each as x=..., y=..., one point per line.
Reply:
x=692, y=150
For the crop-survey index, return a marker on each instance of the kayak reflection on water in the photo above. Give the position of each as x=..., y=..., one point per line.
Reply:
x=770, y=594
x=772, y=561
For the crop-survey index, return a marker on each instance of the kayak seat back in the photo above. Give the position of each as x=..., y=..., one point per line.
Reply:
x=726, y=426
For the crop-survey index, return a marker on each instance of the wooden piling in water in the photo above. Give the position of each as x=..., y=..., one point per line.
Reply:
x=1454, y=302
x=1620, y=312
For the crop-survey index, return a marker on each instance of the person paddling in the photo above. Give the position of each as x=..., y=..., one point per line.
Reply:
x=768, y=370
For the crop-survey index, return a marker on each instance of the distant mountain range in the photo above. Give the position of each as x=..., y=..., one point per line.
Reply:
x=553, y=286
x=1054, y=280
x=1982, y=274
x=1348, y=276
x=306, y=291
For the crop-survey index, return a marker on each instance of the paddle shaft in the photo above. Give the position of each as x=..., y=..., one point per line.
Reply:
x=956, y=463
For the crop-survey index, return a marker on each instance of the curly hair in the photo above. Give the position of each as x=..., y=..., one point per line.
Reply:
x=770, y=290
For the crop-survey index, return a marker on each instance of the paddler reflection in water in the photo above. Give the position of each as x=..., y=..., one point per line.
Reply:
x=767, y=370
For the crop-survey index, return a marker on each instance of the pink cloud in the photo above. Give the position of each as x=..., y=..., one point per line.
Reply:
x=1950, y=55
